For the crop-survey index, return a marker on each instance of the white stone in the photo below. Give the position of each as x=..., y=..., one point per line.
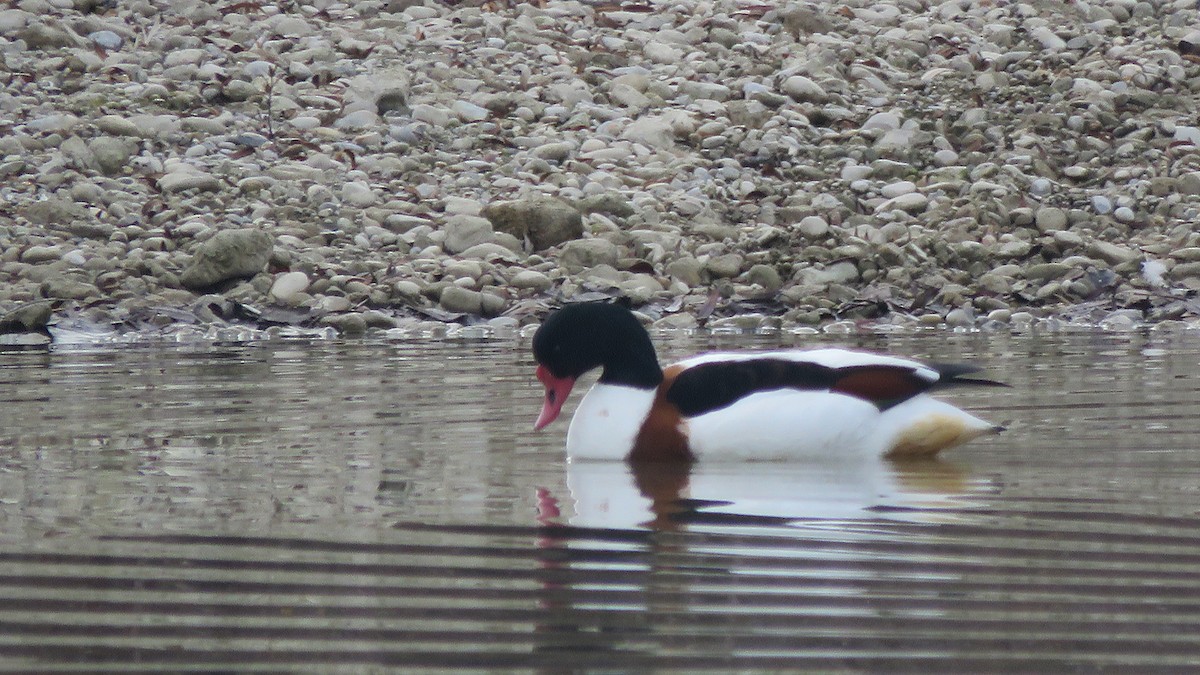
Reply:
x=469, y=112
x=1047, y=39
x=188, y=179
x=662, y=53
x=106, y=39
x=654, y=132
x=358, y=193
x=1188, y=135
x=627, y=96
x=357, y=120
x=305, y=122
x=802, y=88
x=813, y=227
x=898, y=188
x=913, y=202
x=181, y=57
x=288, y=285
x=424, y=112
x=882, y=120
x=945, y=158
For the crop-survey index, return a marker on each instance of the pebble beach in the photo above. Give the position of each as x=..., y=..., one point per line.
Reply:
x=225, y=170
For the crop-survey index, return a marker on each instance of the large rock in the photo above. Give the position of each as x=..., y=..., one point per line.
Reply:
x=229, y=254
x=544, y=221
x=32, y=316
x=54, y=211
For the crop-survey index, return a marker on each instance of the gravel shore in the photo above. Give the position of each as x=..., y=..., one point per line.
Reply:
x=198, y=169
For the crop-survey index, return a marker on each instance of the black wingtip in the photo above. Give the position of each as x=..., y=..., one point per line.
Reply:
x=951, y=374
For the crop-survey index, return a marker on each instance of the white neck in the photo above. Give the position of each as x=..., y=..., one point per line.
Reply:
x=607, y=421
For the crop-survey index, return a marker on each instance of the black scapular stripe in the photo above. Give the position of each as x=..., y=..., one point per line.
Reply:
x=712, y=386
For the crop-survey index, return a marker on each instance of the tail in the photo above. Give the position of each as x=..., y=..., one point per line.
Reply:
x=924, y=426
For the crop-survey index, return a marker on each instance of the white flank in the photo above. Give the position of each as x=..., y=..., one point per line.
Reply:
x=807, y=425
x=830, y=358
x=786, y=424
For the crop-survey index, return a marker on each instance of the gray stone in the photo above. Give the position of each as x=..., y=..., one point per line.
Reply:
x=687, y=269
x=76, y=150
x=89, y=229
x=530, y=279
x=765, y=276
x=611, y=203
x=346, y=324
x=959, y=318
x=54, y=211
x=67, y=288
x=407, y=289
x=24, y=340
x=193, y=179
x=724, y=266
x=801, y=20
x=229, y=254
x=464, y=231
x=491, y=251
x=491, y=304
x=544, y=221
x=1188, y=183
x=40, y=254
x=111, y=155
x=1046, y=271
x=553, y=152
x=46, y=35
x=1050, y=219
x=31, y=316
x=640, y=288
x=401, y=223
x=838, y=273
x=464, y=300
x=1112, y=253
x=705, y=90
x=802, y=89
x=116, y=125
x=583, y=254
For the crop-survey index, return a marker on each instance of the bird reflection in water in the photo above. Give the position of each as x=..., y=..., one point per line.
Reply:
x=671, y=495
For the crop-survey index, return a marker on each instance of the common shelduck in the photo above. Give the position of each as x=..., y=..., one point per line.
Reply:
x=740, y=406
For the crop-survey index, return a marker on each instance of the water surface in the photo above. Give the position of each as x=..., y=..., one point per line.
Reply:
x=347, y=506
